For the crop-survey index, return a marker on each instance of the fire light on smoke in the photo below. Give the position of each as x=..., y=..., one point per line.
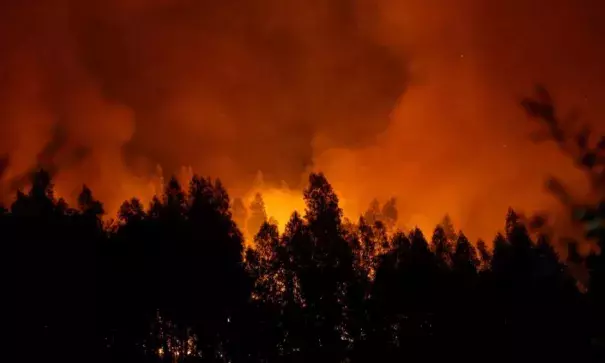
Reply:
x=280, y=204
x=375, y=93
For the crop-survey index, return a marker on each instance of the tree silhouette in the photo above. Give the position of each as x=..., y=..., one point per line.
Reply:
x=441, y=245
x=390, y=213
x=448, y=228
x=373, y=214
x=328, y=275
x=173, y=283
x=588, y=153
x=258, y=214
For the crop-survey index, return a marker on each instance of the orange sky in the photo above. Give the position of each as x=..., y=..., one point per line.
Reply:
x=409, y=98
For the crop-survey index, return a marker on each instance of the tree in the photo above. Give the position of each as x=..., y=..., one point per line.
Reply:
x=387, y=214
x=485, y=256
x=131, y=211
x=390, y=214
x=373, y=214
x=170, y=284
x=448, y=228
x=326, y=282
x=265, y=264
x=441, y=246
x=371, y=241
x=91, y=209
x=465, y=259
x=257, y=214
x=217, y=251
x=588, y=153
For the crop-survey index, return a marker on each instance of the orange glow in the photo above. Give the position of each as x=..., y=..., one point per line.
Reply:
x=411, y=99
x=280, y=204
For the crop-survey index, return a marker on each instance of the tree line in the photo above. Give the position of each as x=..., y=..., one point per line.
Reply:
x=175, y=282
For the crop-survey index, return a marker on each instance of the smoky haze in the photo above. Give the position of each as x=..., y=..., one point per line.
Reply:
x=406, y=98
x=229, y=87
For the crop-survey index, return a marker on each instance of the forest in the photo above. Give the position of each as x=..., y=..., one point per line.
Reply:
x=175, y=282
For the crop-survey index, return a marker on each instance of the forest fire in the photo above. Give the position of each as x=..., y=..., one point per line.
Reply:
x=375, y=94
x=356, y=181
x=280, y=204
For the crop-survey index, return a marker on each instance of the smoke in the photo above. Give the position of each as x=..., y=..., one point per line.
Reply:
x=404, y=98
x=457, y=141
x=228, y=87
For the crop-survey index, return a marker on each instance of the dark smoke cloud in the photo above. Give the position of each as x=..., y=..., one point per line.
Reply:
x=228, y=87
x=250, y=81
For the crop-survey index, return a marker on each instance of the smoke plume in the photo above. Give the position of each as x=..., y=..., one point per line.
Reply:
x=411, y=99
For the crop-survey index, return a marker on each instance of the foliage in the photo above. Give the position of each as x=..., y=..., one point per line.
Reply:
x=173, y=282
